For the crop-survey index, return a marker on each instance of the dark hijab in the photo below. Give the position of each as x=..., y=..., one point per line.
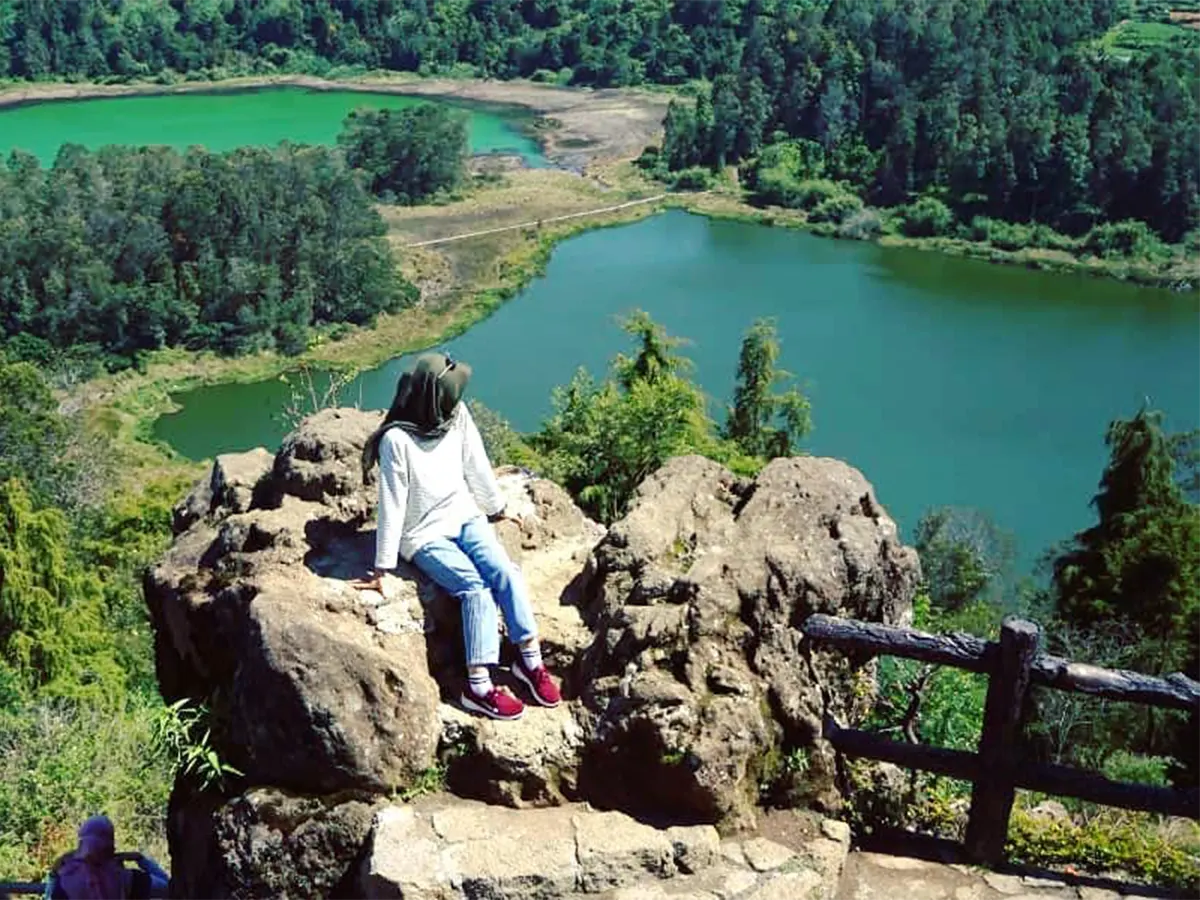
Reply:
x=426, y=400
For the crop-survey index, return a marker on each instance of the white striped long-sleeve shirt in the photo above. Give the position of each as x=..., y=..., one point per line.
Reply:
x=429, y=489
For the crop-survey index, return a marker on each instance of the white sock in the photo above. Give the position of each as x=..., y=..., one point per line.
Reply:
x=480, y=682
x=531, y=656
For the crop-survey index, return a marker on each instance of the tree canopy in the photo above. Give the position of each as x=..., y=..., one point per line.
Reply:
x=407, y=155
x=123, y=250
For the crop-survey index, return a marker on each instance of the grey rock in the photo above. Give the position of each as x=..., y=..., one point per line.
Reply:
x=764, y=855
x=266, y=842
x=531, y=762
x=698, y=666
x=615, y=850
x=696, y=847
x=805, y=885
x=235, y=476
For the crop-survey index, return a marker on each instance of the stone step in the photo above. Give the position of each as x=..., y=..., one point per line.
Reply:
x=445, y=848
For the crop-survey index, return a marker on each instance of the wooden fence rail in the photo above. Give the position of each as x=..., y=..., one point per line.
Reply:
x=25, y=888
x=1013, y=665
x=16, y=888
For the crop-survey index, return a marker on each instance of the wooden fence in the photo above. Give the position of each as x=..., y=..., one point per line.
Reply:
x=27, y=888
x=16, y=888
x=1012, y=665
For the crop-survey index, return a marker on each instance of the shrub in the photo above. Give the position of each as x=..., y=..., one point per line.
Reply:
x=864, y=225
x=836, y=209
x=1128, y=238
x=696, y=178
x=1017, y=236
x=60, y=764
x=504, y=445
x=1138, y=769
x=1111, y=840
x=928, y=217
x=649, y=159
x=773, y=187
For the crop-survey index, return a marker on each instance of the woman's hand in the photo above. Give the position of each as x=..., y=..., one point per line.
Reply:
x=505, y=515
x=373, y=582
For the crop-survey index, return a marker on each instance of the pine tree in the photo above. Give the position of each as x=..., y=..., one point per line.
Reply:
x=1140, y=563
x=763, y=422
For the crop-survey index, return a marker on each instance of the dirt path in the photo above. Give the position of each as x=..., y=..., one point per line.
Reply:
x=537, y=223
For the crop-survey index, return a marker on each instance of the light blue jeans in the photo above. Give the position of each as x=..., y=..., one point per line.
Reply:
x=474, y=568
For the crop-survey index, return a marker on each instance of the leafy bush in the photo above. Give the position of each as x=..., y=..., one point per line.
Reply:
x=1108, y=841
x=801, y=159
x=695, y=178
x=1130, y=238
x=836, y=209
x=1138, y=769
x=604, y=438
x=1017, y=236
x=504, y=446
x=928, y=217
x=864, y=225
x=61, y=763
x=651, y=160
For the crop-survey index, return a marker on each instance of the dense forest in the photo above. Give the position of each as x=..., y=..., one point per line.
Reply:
x=1001, y=110
x=1021, y=111
x=121, y=250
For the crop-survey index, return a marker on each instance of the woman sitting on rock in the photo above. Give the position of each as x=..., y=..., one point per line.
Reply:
x=434, y=480
x=95, y=871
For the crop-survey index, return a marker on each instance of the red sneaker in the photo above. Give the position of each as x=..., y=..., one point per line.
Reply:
x=539, y=682
x=496, y=704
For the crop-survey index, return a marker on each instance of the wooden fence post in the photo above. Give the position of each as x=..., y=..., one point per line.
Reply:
x=999, y=744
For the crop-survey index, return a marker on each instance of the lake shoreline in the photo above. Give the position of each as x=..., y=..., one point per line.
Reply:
x=1181, y=278
x=575, y=127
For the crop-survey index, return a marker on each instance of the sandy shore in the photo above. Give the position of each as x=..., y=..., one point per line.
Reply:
x=577, y=127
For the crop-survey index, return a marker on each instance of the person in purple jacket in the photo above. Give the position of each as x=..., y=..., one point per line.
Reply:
x=95, y=871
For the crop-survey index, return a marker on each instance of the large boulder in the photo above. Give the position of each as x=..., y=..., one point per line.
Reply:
x=699, y=678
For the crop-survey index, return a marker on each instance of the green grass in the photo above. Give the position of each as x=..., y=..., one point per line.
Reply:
x=1127, y=38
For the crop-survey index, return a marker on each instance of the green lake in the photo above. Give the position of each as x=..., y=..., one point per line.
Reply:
x=946, y=381
x=224, y=120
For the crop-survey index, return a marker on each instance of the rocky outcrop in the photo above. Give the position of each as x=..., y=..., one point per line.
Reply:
x=309, y=696
x=699, y=678
x=674, y=632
